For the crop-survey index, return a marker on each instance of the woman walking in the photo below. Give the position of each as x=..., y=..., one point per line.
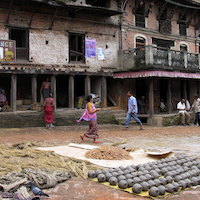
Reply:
x=49, y=107
x=90, y=115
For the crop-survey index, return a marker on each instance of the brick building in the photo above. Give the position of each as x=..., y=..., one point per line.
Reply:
x=159, y=58
x=74, y=43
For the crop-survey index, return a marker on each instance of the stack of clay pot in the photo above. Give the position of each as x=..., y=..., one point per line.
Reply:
x=158, y=177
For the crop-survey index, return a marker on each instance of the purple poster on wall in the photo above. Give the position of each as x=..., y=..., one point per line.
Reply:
x=90, y=48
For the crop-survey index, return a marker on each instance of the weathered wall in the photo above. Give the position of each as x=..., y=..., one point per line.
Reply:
x=57, y=49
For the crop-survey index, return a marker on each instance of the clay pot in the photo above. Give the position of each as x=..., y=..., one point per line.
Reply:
x=169, y=179
x=121, y=177
x=130, y=182
x=134, y=174
x=101, y=178
x=188, y=182
x=161, y=189
x=92, y=174
x=158, y=171
x=145, y=186
x=169, y=188
x=111, y=170
x=160, y=166
x=120, y=172
x=154, y=192
x=108, y=176
x=128, y=176
x=131, y=169
x=122, y=167
x=176, y=186
x=133, y=166
x=138, y=166
x=163, y=180
x=169, y=168
x=145, y=171
x=123, y=184
x=98, y=171
x=148, y=176
x=113, y=181
x=136, y=180
x=140, y=173
x=126, y=171
x=154, y=167
x=195, y=181
x=178, y=178
x=155, y=175
x=142, y=178
x=169, y=174
x=148, y=168
x=151, y=183
x=115, y=174
x=137, y=188
x=116, y=169
x=141, y=169
x=182, y=184
x=105, y=171
x=157, y=182
x=164, y=170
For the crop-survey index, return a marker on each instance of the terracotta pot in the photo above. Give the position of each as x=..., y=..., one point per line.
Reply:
x=122, y=167
x=163, y=180
x=136, y=180
x=113, y=181
x=145, y=186
x=98, y=171
x=161, y=189
x=169, y=179
x=176, y=186
x=157, y=182
x=105, y=171
x=111, y=170
x=121, y=177
x=123, y=184
x=182, y=184
x=115, y=174
x=169, y=188
x=133, y=174
x=130, y=182
x=128, y=176
x=101, y=178
x=108, y=176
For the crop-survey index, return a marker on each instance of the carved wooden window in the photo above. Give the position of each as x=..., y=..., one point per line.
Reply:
x=76, y=47
x=163, y=17
x=140, y=15
x=183, y=47
x=22, y=42
x=182, y=25
x=140, y=42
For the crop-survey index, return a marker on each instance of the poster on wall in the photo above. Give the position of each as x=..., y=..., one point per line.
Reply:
x=101, y=55
x=7, y=51
x=90, y=48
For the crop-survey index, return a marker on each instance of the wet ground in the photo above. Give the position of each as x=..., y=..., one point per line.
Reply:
x=180, y=139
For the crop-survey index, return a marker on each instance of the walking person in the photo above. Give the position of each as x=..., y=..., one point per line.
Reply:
x=90, y=115
x=132, y=110
x=196, y=107
x=185, y=117
x=49, y=107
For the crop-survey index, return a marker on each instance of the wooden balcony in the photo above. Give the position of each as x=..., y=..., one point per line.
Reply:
x=158, y=58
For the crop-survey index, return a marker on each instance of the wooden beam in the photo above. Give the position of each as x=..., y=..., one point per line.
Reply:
x=182, y=14
x=53, y=18
x=149, y=9
x=172, y=13
x=9, y=11
x=31, y=19
x=161, y=10
x=191, y=17
x=136, y=6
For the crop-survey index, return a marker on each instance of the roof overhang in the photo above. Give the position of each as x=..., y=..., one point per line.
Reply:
x=151, y=74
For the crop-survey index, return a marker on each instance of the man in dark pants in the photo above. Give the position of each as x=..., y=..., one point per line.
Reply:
x=196, y=107
x=132, y=110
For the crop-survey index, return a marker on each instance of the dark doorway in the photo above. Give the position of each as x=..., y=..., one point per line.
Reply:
x=5, y=83
x=62, y=83
x=23, y=87
x=79, y=89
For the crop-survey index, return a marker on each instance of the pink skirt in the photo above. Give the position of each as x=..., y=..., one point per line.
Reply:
x=48, y=110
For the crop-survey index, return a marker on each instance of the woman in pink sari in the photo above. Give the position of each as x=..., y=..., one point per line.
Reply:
x=49, y=107
x=90, y=115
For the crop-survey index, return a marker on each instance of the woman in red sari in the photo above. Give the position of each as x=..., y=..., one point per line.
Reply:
x=90, y=115
x=49, y=107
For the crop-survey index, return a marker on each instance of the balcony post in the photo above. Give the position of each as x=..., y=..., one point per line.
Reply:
x=169, y=57
x=199, y=59
x=13, y=93
x=151, y=98
x=71, y=91
x=34, y=88
x=185, y=59
x=53, y=88
x=149, y=55
x=169, y=97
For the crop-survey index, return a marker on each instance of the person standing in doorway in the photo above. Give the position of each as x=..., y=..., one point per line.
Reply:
x=196, y=107
x=132, y=110
x=183, y=112
x=45, y=89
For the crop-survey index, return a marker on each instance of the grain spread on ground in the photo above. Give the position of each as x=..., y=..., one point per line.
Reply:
x=108, y=153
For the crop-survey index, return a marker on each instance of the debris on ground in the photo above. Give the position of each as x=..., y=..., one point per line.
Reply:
x=108, y=153
x=119, y=143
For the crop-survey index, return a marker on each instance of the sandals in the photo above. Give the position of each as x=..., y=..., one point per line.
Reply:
x=81, y=137
x=95, y=142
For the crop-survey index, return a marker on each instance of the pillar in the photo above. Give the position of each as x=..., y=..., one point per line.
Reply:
x=104, y=91
x=53, y=88
x=149, y=55
x=151, y=98
x=169, y=97
x=184, y=90
x=13, y=93
x=34, y=88
x=71, y=92
x=87, y=86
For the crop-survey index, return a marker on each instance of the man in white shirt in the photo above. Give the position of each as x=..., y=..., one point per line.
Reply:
x=196, y=107
x=183, y=112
